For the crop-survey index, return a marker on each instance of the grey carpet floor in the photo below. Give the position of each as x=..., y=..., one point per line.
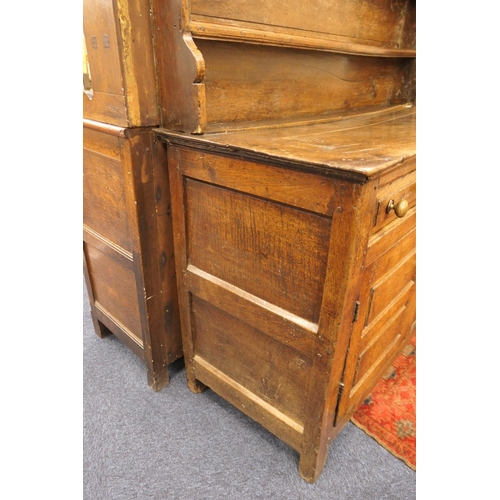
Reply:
x=174, y=444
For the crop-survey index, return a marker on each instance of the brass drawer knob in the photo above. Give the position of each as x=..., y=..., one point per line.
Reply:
x=400, y=208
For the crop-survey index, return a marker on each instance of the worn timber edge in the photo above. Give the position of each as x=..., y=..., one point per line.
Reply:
x=113, y=130
x=104, y=127
x=211, y=28
x=359, y=174
x=280, y=123
x=205, y=145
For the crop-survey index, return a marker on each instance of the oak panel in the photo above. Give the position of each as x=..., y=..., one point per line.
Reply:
x=102, y=46
x=104, y=202
x=114, y=287
x=101, y=142
x=370, y=362
x=384, y=291
x=277, y=323
x=293, y=82
x=281, y=425
x=275, y=252
x=119, y=46
x=299, y=189
x=392, y=256
x=372, y=331
x=106, y=319
x=389, y=236
x=106, y=108
x=265, y=367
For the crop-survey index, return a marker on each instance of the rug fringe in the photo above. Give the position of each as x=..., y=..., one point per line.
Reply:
x=379, y=441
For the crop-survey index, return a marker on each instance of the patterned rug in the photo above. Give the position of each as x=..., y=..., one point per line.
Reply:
x=388, y=413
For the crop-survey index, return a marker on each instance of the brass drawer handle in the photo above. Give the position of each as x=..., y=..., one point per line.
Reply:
x=400, y=208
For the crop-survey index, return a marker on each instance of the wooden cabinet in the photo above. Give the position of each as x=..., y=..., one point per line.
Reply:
x=127, y=242
x=127, y=237
x=288, y=132
x=296, y=276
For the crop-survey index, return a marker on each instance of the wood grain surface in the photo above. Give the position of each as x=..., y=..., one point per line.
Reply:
x=128, y=248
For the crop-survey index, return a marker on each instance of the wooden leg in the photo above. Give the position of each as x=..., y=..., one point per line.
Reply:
x=157, y=381
x=193, y=383
x=312, y=462
x=101, y=330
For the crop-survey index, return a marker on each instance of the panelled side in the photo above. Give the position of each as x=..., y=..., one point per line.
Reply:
x=107, y=238
x=128, y=245
x=252, y=272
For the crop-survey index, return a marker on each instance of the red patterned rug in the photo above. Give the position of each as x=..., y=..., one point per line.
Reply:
x=388, y=413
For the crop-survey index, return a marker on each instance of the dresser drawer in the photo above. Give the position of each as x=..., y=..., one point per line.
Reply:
x=394, y=200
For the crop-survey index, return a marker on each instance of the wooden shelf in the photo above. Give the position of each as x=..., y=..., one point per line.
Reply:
x=238, y=32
